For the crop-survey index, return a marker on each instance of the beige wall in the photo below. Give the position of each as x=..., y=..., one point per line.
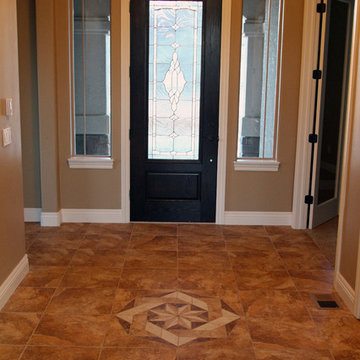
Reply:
x=264, y=191
x=29, y=102
x=12, y=243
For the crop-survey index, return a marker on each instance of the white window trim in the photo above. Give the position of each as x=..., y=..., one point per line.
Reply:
x=256, y=165
x=91, y=162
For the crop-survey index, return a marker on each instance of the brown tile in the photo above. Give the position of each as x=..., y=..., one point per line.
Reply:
x=234, y=230
x=275, y=304
x=301, y=242
x=44, y=276
x=290, y=354
x=204, y=260
x=346, y=354
x=141, y=259
x=27, y=299
x=15, y=329
x=252, y=242
x=117, y=336
x=341, y=333
x=32, y=227
x=71, y=330
x=106, y=242
x=320, y=281
x=212, y=281
x=50, y=257
x=82, y=301
x=259, y=279
x=205, y=352
x=68, y=241
x=148, y=279
x=281, y=334
x=91, y=277
x=138, y=354
x=201, y=243
x=125, y=296
x=295, y=260
x=194, y=230
x=60, y=353
x=283, y=230
x=103, y=229
x=72, y=228
x=155, y=229
x=10, y=352
x=153, y=242
x=266, y=260
x=103, y=258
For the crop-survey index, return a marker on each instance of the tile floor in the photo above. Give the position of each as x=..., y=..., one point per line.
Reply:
x=166, y=292
x=325, y=237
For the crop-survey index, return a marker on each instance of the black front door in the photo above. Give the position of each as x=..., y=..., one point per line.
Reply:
x=175, y=70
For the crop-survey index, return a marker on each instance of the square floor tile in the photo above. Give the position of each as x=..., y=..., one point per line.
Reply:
x=96, y=301
x=16, y=328
x=71, y=330
x=27, y=299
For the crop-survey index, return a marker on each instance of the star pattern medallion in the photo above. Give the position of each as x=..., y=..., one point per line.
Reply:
x=178, y=318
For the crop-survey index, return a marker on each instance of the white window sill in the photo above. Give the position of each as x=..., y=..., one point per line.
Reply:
x=256, y=165
x=91, y=162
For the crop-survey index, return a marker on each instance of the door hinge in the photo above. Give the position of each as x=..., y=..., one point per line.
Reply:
x=313, y=138
x=321, y=8
x=129, y=194
x=130, y=6
x=317, y=74
x=309, y=199
x=130, y=134
x=129, y=71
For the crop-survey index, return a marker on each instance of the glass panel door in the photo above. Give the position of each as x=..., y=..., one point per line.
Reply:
x=175, y=39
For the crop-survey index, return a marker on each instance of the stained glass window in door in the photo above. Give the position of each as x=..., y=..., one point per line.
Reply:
x=175, y=38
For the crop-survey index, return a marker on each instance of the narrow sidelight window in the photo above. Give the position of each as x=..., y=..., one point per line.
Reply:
x=91, y=78
x=259, y=74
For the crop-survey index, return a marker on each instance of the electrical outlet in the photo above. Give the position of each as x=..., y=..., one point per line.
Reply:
x=6, y=136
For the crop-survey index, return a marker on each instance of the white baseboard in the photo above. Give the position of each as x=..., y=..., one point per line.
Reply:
x=32, y=214
x=8, y=287
x=345, y=291
x=257, y=218
x=51, y=218
x=92, y=215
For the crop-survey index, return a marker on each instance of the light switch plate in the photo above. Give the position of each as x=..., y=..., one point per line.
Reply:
x=6, y=136
x=9, y=107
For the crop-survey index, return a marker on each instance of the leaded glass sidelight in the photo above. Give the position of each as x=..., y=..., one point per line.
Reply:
x=175, y=34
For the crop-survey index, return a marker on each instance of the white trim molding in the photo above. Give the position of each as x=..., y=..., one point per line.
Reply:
x=51, y=219
x=256, y=165
x=306, y=113
x=8, y=287
x=346, y=292
x=257, y=218
x=223, y=110
x=32, y=214
x=92, y=216
x=91, y=162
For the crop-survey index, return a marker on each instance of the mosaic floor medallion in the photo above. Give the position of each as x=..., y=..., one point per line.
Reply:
x=178, y=318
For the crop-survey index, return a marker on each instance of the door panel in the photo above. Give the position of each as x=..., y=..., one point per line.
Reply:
x=174, y=109
x=333, y=110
